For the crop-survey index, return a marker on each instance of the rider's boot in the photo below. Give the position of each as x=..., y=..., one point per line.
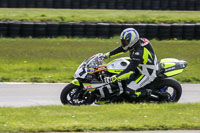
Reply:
x=133, y=94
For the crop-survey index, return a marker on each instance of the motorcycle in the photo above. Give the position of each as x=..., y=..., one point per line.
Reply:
x=88, y=86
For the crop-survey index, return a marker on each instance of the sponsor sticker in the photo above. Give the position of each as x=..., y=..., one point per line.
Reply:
x=168, y=69
x=88, y=86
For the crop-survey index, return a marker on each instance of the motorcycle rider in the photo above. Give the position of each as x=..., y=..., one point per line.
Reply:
x=143, y=64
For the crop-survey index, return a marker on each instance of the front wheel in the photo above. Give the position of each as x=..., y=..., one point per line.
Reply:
x=74, y=95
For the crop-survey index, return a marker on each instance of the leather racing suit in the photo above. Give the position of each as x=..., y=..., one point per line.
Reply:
x=143, y=65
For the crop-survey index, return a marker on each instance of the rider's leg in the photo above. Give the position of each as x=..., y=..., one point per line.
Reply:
x=138, y=82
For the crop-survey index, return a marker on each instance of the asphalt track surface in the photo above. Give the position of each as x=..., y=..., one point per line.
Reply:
x=31, y=94
x=34, y=94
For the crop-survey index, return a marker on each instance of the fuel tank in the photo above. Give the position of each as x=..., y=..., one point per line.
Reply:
x=118, y=65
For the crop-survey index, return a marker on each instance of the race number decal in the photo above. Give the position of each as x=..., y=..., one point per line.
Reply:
x=83, y=72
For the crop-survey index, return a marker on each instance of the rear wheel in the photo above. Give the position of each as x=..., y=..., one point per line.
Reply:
x=74, y=95
x=169, y=89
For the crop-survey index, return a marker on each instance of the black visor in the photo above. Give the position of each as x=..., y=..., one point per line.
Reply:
x=125, y=42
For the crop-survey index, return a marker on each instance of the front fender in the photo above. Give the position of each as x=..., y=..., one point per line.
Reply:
x=76, y=82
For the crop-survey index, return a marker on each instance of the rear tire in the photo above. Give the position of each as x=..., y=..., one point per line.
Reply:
x=164, y=86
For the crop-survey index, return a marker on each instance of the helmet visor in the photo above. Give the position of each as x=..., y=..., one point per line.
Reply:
x=125, y=42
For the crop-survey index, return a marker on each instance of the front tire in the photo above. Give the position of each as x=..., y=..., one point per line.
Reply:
x=74, y=95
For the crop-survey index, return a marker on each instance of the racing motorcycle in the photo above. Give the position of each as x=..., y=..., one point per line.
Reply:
x=88, y=86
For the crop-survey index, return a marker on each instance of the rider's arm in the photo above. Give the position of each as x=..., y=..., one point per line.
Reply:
x=136, y=58
x=115, y=52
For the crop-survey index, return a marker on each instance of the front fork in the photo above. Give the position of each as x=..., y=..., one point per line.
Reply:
x=85, y=94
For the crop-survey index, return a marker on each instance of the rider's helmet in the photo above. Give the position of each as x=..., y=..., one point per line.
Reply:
x=129, y=37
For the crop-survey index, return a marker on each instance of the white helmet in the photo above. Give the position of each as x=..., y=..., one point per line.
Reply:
x=129, y=37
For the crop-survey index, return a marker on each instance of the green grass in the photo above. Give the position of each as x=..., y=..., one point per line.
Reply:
x=56, y=60
x=100, y=118
x=116, y=16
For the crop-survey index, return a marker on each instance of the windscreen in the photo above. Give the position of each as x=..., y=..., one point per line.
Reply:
x=95, y=61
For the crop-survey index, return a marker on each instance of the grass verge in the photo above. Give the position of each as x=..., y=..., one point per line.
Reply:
x=89, y=15
x=100, y=118
x=56, y=60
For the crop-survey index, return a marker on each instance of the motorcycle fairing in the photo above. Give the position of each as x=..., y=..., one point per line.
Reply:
x=81, y=72
x=172, y=67
x=103, y=86
x=89, y=66
x=98, y=86
x=92, y=86
x=100, y=69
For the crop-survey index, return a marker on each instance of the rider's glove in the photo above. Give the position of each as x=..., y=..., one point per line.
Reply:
x=109, y=80
x=106, y=55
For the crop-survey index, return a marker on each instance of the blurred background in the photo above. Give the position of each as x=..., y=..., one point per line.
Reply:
x=46, y=40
